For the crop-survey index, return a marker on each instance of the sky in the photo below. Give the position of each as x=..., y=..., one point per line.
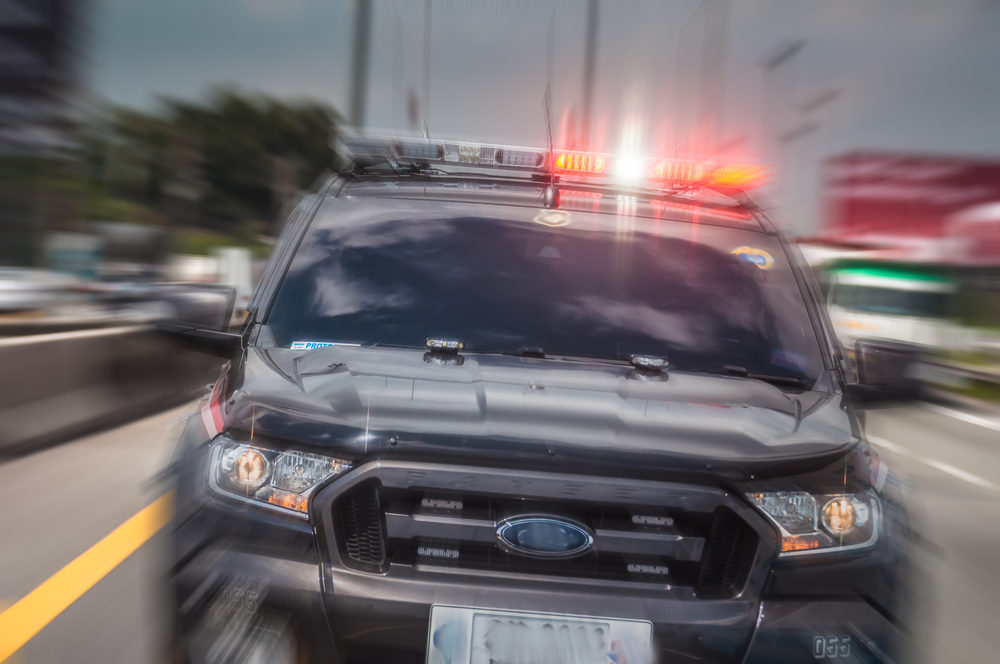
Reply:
x=902, y=75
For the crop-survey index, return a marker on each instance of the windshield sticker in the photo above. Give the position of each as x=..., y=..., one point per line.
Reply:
x=758, y=257
x=310, y=345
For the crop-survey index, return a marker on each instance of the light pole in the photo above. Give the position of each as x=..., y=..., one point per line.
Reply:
x=359, y=73
x=426, y=101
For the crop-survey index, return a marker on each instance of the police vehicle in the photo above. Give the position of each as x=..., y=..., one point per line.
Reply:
x=504, y=404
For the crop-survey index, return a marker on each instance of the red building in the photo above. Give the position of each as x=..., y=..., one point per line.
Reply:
x=922, y=208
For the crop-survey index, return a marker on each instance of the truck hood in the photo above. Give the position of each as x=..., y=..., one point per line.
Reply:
x=370, y=401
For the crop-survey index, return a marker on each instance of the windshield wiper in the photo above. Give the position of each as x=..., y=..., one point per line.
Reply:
x=539, y=352
x=774, y=379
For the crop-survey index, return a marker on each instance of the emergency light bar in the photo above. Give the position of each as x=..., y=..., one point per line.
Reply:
x=665, y=173
x=364, y=148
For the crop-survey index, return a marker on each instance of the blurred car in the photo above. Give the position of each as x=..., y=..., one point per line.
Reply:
x=150, y=301
x=27, y=289
x=491, y=405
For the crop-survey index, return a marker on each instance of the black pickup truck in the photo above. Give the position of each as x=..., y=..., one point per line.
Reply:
x=531, y=414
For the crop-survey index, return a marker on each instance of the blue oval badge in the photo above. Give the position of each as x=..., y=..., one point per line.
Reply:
x=540, y=536
x=758, y=257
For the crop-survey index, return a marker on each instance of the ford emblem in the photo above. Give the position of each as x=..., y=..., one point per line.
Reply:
x=539, y=536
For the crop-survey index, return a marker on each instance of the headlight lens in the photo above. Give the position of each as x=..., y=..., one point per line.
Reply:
x=275, y=479
x=839, y=516
x=245, y=468
x=821, y=523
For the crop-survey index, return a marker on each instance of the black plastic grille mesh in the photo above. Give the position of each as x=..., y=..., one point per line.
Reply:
x=362, y=528
x=729, y=553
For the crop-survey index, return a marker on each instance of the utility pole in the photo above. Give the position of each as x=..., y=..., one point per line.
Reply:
x=589, y=58
x=397, y=67
x=359, y=74
x=426, y=101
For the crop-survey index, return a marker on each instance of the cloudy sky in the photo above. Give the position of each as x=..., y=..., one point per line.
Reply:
x=913, y=75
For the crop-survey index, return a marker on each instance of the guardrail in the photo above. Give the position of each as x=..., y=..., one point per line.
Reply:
x=949, y=382
x=54, y=386
x=967, y=371
x=18, y=327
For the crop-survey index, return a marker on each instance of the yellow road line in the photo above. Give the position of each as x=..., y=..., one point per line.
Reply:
x=29, y=615
x=9, y=660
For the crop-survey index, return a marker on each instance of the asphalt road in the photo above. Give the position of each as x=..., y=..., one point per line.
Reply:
x=59, y=502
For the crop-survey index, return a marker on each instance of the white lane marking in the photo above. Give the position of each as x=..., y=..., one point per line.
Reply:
x=889, y=445
x=63, y=336
x=965, y=417
x=961, y=474
x=934, y=463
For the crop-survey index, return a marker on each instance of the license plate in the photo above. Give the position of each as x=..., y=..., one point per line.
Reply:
x=461, y=635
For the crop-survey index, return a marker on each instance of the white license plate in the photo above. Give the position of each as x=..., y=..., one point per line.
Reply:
x=461, y=635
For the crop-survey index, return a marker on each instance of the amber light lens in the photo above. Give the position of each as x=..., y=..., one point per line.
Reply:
x=800, y=543
x=289, y=501
x=839, y=516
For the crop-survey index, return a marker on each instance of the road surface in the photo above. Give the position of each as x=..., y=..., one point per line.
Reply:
x=61, y=501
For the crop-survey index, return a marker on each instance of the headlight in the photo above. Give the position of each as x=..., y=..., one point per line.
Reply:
x=821, y=523
x=271, y=478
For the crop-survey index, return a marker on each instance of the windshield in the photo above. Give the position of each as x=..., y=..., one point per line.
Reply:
x=601, y=286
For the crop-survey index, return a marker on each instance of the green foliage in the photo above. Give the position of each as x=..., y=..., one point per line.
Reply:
x=215, y=164
x=100, y=207
x=204, y=242
x=980, y=390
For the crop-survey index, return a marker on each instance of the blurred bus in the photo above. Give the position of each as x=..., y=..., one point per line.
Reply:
x=906, y=303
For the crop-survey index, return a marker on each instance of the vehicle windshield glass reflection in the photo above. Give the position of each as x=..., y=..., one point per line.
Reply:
x=500, y=285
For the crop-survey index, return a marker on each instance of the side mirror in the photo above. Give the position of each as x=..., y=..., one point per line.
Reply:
x=199, y=317
x=888, y=372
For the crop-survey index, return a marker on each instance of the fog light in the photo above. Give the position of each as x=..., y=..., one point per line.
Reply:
x=839, y=516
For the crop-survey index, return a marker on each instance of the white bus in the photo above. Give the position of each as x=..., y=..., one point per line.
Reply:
x=909, y=304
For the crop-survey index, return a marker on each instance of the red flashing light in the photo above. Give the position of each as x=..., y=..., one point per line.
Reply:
x=580, y=162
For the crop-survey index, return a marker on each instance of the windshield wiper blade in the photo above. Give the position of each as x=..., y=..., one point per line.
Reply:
x=774, y=379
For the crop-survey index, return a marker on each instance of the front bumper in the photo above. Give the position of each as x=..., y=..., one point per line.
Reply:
x=231, y=602
x=235, y=604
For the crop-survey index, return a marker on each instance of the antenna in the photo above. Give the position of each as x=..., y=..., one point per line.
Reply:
x=547, y=99
x=551, y=194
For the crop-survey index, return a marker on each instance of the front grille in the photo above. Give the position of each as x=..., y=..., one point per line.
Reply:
x=728, y=555
x=363, y=528
x=686, y=539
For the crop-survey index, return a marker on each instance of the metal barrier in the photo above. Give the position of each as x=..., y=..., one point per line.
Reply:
x=966, y=371
x=54, y=386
